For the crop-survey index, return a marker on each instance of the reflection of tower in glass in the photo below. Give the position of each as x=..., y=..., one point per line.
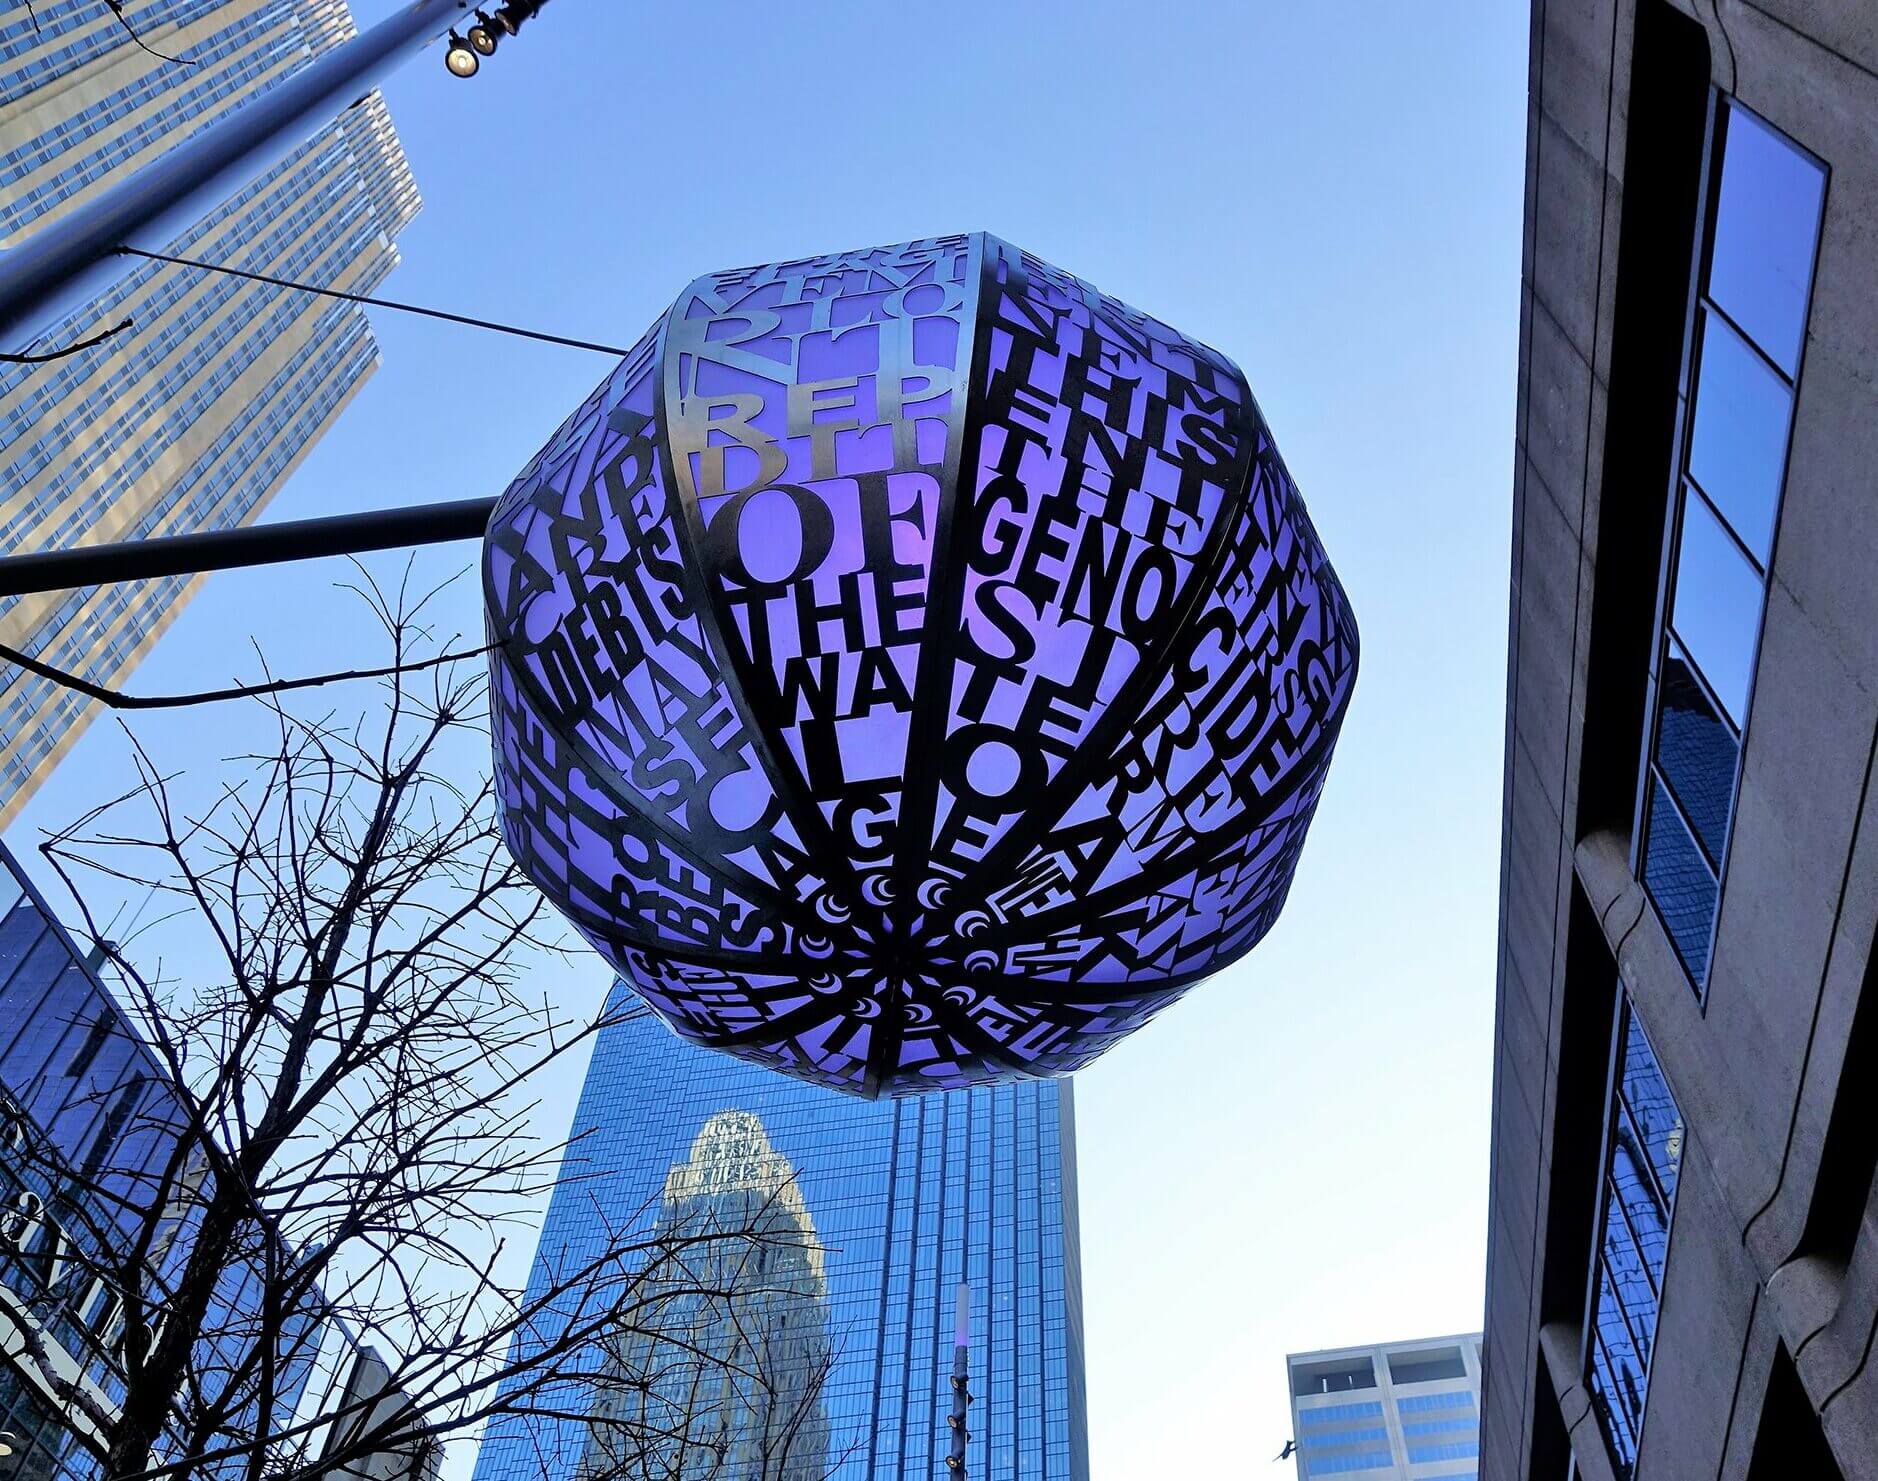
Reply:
x=912, y=1198
x=723, y=1374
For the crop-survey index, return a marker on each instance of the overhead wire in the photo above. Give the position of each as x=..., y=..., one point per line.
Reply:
x=370, y=301
x=469, y=320
x=118, y=700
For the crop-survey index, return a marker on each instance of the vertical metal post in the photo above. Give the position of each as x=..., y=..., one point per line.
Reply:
x=961, y=1381
x=62, y=268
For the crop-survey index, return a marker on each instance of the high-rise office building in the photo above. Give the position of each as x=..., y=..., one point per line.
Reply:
x=1682, y=1276
x=848, y=1226
x=1407, y=1410
x=193, y=417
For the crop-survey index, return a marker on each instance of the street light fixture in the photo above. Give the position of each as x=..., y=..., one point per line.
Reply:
x=485, y=33
x=482, y=36
x=461, y=61
x=514, y=12
x=68, y=264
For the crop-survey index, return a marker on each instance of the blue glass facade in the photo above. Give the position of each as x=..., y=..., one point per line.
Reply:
x=77, y=1090
x=893, y=1203
x=1745, y=339
x=195, y=416
x=1642, y=1156
x=85, y=1112
x=76, y=1084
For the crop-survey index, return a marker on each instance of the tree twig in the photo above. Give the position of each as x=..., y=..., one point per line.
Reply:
x=120, y=701
x=117, y=9
x=71, y=349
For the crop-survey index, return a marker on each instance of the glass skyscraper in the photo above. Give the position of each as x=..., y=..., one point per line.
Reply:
x=849, y=1224
x=195, y=416
x=87, y=1119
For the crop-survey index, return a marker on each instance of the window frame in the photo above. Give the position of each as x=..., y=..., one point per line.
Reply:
x=1624, y=1014
x=1698, y=303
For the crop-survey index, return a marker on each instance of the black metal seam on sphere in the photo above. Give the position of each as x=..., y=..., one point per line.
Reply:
x=771, y=752
x=1310, y=766
x=1098, y=746
x=920, y=793
x=917, y=845
x=919, y=801
x=1205, y=852
x=757, y=890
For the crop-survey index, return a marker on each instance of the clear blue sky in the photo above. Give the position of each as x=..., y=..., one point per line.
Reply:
x=1295, y=1157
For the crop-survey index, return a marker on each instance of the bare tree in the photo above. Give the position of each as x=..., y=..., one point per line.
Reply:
x=338, y=1130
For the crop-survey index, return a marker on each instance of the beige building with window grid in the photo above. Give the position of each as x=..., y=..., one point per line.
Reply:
x=194, y=418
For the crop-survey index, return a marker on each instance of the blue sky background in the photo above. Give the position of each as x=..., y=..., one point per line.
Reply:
x=1296, y=1157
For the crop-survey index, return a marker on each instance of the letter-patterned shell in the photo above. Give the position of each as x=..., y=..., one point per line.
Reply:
x=915, y=668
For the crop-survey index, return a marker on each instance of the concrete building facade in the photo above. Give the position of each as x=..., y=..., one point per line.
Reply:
x=1682, y=1271
x=194, y=416
x=1400, y=1411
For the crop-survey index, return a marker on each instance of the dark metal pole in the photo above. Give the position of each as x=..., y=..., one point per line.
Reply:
x=961, y=1382
x=253, y=545
x=59, y=270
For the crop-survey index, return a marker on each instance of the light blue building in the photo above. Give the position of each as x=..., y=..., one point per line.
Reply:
x=193, y=417
x=1401, y=1411
x=872, y=1213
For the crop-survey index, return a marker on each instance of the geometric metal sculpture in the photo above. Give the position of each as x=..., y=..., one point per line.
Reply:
x=915, y=669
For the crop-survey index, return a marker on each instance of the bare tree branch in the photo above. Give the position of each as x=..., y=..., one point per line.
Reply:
x=117, y=9
x=77, y=346
x=118, y=700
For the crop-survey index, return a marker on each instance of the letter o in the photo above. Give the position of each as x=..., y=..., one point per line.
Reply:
x=815, y=529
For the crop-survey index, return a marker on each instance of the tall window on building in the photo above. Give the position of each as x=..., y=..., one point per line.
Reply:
x=1642, y=1154
x=1746, y=331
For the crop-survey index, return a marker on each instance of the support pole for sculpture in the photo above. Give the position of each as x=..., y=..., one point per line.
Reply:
x=62, y=268
x=248, y=545
x=961, y=1382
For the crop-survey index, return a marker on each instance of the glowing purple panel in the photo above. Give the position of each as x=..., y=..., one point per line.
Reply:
x=915, y=668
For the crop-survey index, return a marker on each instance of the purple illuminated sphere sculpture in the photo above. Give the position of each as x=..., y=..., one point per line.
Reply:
x=916, y=669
